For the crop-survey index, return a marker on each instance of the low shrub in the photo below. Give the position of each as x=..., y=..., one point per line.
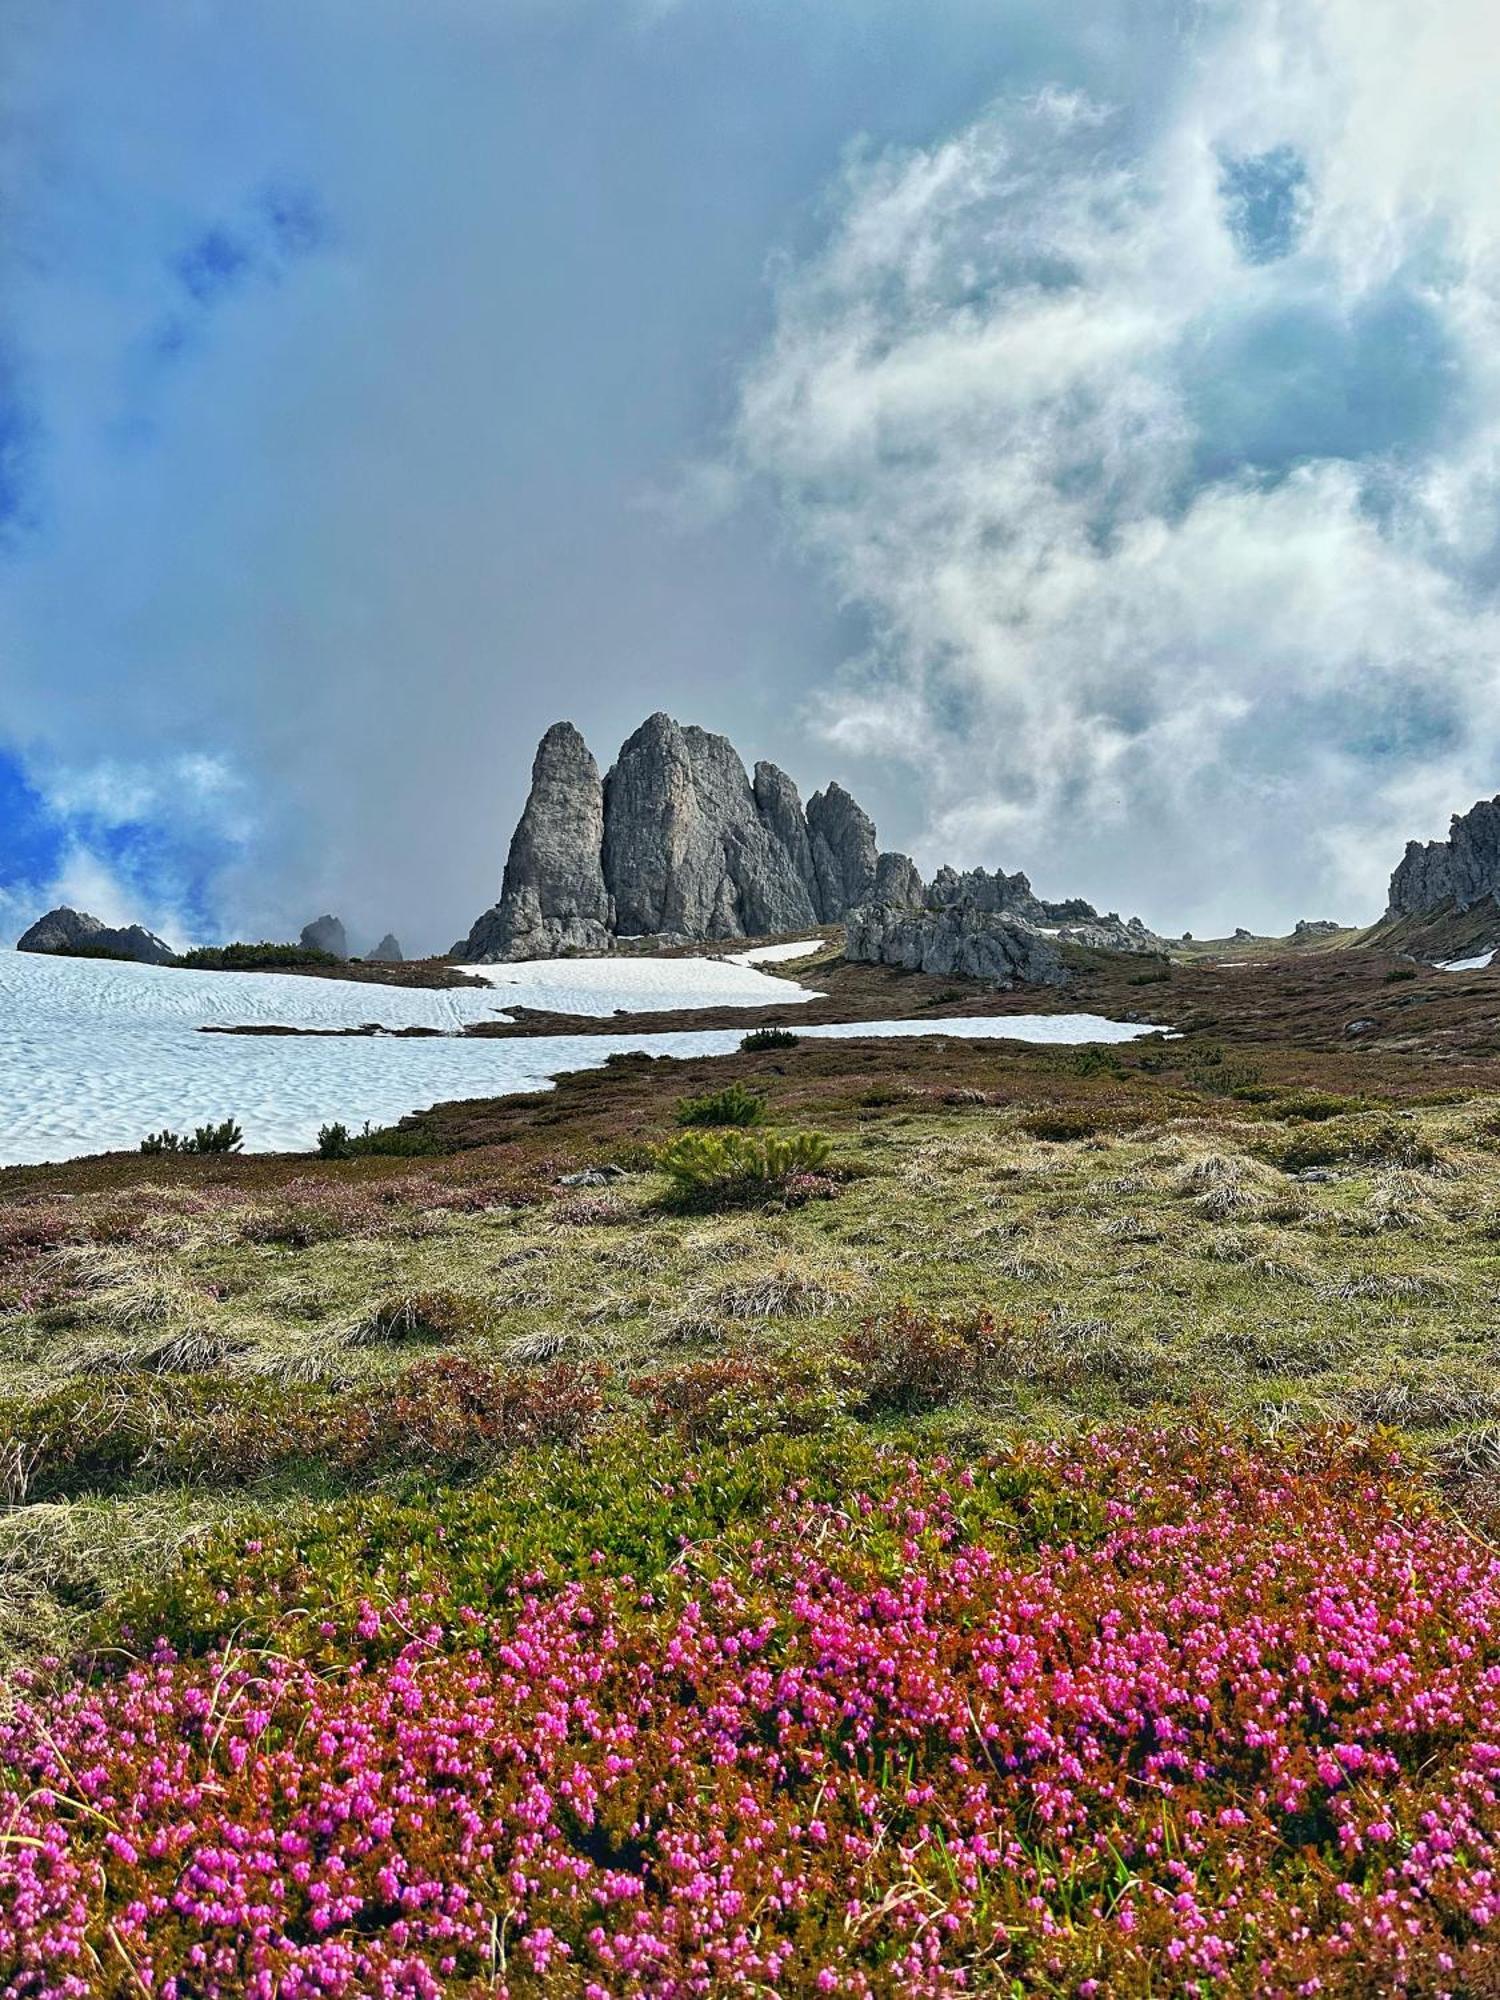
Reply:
x=1399, y=972
x=420, y=1317
x=908, y=1361
x=1095, y=1060
x=1208, y=1069
x=145, y=1430
x=1128, y=1713
x=1063, y=1122
x=730, y=1165
x=225, y=1138
x=399, y=1142
x=1357, y=1142
x=1315, y=1107
x=735, y=1104
x=732, y=1399
x=768, y=1038
x=256, y=957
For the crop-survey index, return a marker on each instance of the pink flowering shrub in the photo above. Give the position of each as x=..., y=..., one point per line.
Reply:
x=1243, y=1737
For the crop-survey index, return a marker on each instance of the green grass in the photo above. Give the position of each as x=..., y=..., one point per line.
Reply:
x=1142, y=1236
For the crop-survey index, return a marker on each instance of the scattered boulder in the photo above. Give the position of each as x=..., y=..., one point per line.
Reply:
x=70, y=932
x=326, y=934
x=387, y=952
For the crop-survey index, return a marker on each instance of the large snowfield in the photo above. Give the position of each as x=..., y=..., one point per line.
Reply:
x=95, y=1053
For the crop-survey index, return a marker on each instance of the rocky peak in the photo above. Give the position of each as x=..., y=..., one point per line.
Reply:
x=387, y=952
x=677, y=840
x=844, y=854
x=552, y=895
x=326, y=934
x=65, y=931
x=1454, y=873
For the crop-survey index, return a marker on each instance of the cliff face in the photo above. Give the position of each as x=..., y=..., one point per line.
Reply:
x=552, y=895
x=687, y=849
x=675, y=841
x=1454, y=873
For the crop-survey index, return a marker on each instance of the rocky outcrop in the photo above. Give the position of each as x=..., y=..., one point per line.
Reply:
x=897, y=881
x=552, y=895
x=983, y=925
x=1455, y=873
x=677, y=841
x=975, y=944
x=844, y=855
x=687, y=852
x=387, y=952
x=74, y=931
x=1073, y=921
x=326, y=934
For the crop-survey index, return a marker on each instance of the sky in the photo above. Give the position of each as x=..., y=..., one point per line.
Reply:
x=1076, y=429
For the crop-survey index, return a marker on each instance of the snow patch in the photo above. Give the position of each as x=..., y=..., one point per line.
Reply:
x=1466, y=964
x=96, y=1053
x=775, y=954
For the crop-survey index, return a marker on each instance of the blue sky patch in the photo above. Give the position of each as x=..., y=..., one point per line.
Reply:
x=34, y=840
x=1301, y=380
x=214, y=263
x=1266, y=202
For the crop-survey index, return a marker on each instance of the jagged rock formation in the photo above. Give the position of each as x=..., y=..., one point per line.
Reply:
x=978, y=944
x=686, y=851
x=71, y=931
x=844, y=858
x=552, y=895
x=987, y=926
x=326, y=934
x=678, y=842
x=387, y=952
x=1073, y=921
x=1455, y=873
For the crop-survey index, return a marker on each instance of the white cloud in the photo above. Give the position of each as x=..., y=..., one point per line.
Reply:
x=1180, y=564
x=194, y=788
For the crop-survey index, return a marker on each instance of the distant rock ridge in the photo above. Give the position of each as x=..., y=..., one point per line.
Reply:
x=987, y=926
x=1455, y=873
x=1073, y=921
x=974, y=943
x=68, y=931
x=676, y=841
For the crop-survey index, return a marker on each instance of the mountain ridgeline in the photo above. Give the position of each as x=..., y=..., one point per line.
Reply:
x=676, y=841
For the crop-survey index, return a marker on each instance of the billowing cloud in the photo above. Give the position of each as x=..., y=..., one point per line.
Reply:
x=1161, y=452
